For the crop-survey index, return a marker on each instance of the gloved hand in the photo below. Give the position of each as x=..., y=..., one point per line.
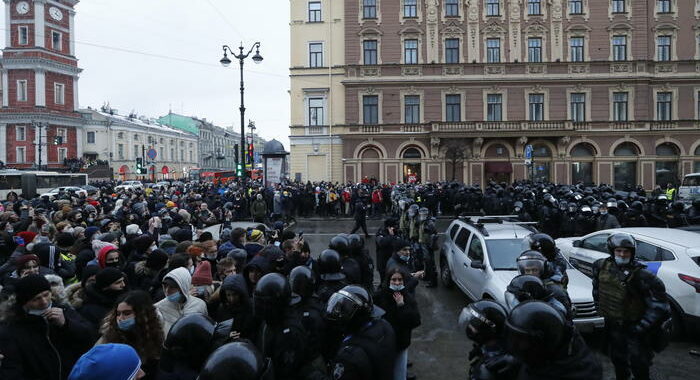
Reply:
x=641, y=328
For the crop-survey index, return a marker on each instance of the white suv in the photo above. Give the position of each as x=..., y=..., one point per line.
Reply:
x=129, y=185
x=672, y=254
x=479, y=256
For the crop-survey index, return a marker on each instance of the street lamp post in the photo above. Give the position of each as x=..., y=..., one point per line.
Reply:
x=225, y=61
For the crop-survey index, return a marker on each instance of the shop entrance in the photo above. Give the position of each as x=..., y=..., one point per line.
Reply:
x=411, y=173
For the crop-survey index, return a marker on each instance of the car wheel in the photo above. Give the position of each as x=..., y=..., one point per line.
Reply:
x=445, y=274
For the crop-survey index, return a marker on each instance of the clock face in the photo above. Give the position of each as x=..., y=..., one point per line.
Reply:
x=56, y=13
x=22, y=7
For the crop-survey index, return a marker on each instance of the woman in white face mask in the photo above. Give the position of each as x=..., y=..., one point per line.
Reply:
x=401, y=312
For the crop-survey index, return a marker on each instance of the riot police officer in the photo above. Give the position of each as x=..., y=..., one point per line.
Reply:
x=633, y=302
x=427, y=235
x=484, y=323
x=330, y=272
x=413, y=222
x=539, y=337
x=555, y=270
x=237, y=361
x=368, y=349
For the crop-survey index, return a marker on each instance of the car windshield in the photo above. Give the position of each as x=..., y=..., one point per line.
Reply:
x=503, y=253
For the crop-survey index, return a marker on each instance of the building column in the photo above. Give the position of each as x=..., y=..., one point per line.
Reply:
x=40, y=91
x=8, y=24
x=39, y=24
x=71, y=27
x=6, y=88
x=3, y=143
x=79, y=140
x=76, y=99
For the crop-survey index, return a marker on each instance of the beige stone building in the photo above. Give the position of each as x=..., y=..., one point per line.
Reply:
x=604, y=91
x=317, y=69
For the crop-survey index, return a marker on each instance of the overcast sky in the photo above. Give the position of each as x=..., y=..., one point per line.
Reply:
x=153, y=55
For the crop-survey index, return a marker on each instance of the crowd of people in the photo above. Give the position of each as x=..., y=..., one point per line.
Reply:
x=127, y=284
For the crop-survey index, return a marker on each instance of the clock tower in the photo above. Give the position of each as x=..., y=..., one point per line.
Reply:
x=39, y=122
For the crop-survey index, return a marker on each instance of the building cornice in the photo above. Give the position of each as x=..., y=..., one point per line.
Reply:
x=24, y=118
x=39, y=64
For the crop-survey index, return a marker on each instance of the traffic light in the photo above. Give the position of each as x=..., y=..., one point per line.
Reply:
x=58, y=140
x=239, y=170
x=139, y=165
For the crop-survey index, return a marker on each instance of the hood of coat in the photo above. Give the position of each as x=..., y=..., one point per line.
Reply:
x=182, y=278
x=238, y=284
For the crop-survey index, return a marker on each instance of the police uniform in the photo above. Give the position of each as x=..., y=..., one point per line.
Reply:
x=366, y=354
x=426, y=235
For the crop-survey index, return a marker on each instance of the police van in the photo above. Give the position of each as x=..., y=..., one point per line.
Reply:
x=690, y=188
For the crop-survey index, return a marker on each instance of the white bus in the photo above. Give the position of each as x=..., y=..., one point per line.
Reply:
x=690, y=188
x=41, y=181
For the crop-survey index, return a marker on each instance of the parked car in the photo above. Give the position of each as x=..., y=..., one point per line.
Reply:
x=479, y=256
x=672, y=254
x=91, y=190
x=129, y=185
x=66, y=189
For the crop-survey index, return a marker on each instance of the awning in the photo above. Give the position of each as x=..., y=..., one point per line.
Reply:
x=499, y=167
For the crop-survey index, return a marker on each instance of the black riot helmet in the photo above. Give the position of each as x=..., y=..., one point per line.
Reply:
x=532, y=263
x=535, y=332
x=340, y=244
x=236, y=361
x=356, y=243
x=542, y=243
x=190, y=339
x=483, y=321
x=329, y=265
x=621, y=240
x=523, y=288
x=637, y=206
x=351, y=307
x=272, y=295
x=302, y=282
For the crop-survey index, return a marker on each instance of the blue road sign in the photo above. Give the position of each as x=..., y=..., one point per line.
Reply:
x=528, y=151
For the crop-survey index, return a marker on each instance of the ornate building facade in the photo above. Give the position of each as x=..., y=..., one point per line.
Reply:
x=604, y=91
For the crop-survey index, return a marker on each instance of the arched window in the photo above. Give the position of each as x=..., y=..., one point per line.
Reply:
x=412, y=153
x=541, y=156
x=696, y=164
x=541, y=151
x=497, y=151
x=667, y=164
x=625, y=170
x=370, y=154
x=582, y=168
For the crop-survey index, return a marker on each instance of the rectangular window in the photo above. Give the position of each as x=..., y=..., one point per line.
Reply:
x=370, y=109
x=182, y=156
x=576, y=46
x=494, y=107
x=315, y=54
x=315, y=11
x=21, y=154
x=493, y=8
x=451, y=8
x=452, y=50
x=536, y=104
x=137, y=152
x=663, y=48
x=56, y=41
x=663, y=105
x=23, y=35
x=534, y=7
x=534, y=49
x=619, y=48
x=120, y=151
x=21, y=90
x=620, y=106
x=410, y=52
x=410, y=8
x=369, y=8
x=369, y=48
x=663, y=6
x=316, y=116
x=576, y=7
x=412, y=109
x=20, y=133
x=91, y=137
x=59, y=93
x=453, y=107
x=172, y=154
x=578, y=107
x=493, y=50
x=618, y=6
x=62, y=154
x=191, y=155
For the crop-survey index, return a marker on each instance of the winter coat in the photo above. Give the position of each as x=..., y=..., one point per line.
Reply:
x=259, y=208
x=36, y=350
x=172, y=312
x=242, y=314
x=402, y=318
x=259, y=262
x=75, y=295
x=97, y=304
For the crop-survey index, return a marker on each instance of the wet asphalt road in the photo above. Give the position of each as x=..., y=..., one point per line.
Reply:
x=439, y=351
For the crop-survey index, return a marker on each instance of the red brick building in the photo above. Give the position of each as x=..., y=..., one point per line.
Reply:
x=39, y=85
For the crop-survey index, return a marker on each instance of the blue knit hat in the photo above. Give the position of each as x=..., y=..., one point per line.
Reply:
x=107, y=362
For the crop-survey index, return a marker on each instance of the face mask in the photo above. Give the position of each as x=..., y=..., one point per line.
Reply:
x=405, y=258
x=396, y=288
x=39, y=312
x=622, y=261
x=153, y=247
x=191, y=269
x=603, y=212
x=113, y=264
x=68, y=230
x=175, y=297
x=122, y=240
x=211, y=256
x=127, y=324
x=517, y=209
